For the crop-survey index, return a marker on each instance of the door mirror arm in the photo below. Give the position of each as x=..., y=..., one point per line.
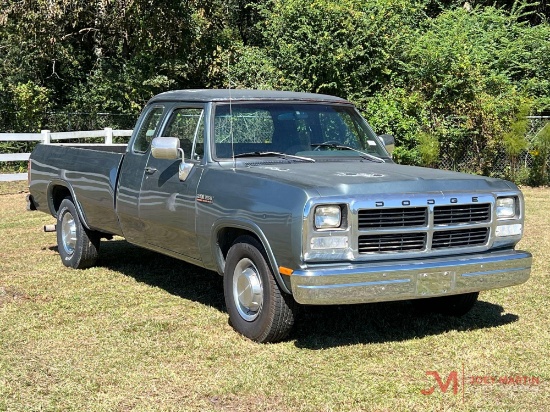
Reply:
x=184, y=168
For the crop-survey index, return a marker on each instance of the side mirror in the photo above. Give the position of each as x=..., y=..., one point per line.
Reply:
x=168, y=148
x=389, y=142
x=165, y=148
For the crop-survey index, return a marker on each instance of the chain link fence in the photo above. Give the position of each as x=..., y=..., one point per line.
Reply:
x=494, y=161
x=498, y=163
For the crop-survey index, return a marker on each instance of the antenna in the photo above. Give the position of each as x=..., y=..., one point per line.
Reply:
x=230, y=107
x=230, y=110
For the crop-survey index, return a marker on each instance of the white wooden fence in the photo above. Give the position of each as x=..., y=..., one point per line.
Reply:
x=46, y=137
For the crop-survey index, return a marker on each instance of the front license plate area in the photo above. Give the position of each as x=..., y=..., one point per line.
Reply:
x=434, y=283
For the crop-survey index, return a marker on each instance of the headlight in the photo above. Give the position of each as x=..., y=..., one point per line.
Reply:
x=506, y=207
x=328, y=217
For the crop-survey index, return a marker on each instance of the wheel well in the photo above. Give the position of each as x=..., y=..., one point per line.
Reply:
x=225, y=239
x=57, y=195
x=228, y=235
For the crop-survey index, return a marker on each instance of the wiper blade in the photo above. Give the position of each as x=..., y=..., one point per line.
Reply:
x=364, y=155
x=279, y=154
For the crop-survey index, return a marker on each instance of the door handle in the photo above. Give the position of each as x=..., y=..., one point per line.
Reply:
x=150, y=170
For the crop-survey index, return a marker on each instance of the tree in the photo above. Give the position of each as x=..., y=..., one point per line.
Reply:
x=514, y=141
x=469, y=72
x=541, y=143
x=108, y=55
x=347, y=48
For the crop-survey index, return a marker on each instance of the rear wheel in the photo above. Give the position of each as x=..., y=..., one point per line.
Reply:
x=78, y=246
x=453, y=305
x=257, y=307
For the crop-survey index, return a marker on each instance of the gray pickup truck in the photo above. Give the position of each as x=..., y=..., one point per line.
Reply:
x=292, y=198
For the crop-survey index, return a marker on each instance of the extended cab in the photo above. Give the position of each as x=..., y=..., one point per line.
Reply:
x=292, y=198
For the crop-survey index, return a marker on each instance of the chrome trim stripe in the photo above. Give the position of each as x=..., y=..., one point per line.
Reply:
x=347, y=285
x=467, y=275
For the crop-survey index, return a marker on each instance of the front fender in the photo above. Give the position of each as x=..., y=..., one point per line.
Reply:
x=253, y=228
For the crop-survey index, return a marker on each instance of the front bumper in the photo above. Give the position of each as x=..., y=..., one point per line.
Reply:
x=410, y=279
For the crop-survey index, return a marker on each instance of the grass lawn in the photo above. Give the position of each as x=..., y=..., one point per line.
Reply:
x=145, y=332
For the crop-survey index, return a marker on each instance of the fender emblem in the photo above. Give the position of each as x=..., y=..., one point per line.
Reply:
x=204, y=198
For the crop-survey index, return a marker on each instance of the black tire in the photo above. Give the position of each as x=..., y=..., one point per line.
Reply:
x=78, y=246
x=453, y=305
x=261, y=312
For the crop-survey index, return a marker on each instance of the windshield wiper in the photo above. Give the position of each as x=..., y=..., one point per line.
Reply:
x=279, y=154
x=362, y=154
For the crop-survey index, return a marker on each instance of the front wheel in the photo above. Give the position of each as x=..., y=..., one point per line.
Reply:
x=257, y=307
x=78, y=246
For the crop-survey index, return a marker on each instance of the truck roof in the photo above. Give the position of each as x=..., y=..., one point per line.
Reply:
x=214, y=95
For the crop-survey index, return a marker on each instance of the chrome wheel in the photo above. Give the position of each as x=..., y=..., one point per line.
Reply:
x=68, y=233
x=247, y=290
x=78, y=247
x=255, y=304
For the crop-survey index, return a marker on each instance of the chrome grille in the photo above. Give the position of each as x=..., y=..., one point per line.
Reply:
x=395, y=242
x=393, y=217
x=460, y=238
x=462, y=214
x=419, y=228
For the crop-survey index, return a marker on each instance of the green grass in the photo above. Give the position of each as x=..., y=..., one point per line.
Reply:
x=145, y=332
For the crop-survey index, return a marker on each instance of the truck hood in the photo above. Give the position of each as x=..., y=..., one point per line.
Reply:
x=359, y=178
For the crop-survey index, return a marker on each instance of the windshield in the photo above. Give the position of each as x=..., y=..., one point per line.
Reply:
x=299, y=129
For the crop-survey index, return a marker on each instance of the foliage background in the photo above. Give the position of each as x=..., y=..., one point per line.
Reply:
x=448, y=78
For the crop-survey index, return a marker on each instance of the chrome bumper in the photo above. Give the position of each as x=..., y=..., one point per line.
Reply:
x=411, y=279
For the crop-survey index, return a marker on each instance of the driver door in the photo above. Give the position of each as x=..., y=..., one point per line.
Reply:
x=166, y=204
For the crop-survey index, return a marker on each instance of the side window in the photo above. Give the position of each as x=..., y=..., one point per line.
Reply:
x=147, y=129
x=187, y=124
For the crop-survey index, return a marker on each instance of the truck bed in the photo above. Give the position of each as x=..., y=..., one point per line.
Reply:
x=89, y=173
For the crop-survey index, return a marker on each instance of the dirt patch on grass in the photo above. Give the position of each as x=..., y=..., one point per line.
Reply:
x=12, y=294
x=236, y=403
